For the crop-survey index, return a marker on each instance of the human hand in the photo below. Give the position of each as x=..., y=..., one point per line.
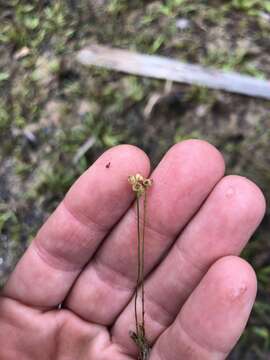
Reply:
x=199, y=293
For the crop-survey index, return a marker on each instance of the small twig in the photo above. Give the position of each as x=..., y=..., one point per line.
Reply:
x=156, y=98
x=83, y=149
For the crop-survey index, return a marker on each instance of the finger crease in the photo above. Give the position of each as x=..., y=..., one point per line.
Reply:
x=203, y=345
x=184, y=256
x=150, y=227
x=53, y=261
x=115, y=279
x=166, y=317
x=85, y=220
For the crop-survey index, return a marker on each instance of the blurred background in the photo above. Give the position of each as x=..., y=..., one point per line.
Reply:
x=56, y=116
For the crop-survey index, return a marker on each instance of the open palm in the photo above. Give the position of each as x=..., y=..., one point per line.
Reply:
x=199, y=293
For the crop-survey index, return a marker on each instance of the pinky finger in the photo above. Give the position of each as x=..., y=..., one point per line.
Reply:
x=214, y=317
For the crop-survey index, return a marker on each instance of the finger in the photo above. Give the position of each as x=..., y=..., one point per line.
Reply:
x=72, y=234
x=182, y=181
x=214, y=317
x=222, y=227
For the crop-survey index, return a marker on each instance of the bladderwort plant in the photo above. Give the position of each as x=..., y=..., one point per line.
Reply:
x=140, y=186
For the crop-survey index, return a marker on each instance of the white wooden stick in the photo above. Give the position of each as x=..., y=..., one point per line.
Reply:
x=167, y=69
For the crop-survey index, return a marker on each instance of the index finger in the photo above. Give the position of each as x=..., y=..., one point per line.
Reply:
x=69, y=238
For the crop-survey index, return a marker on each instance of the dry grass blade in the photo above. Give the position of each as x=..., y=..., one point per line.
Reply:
x=168, y=69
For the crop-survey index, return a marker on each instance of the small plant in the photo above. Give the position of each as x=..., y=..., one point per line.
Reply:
x=140, y=186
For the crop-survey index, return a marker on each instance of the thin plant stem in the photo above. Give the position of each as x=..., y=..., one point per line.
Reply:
x=142, y=261
x=139, y=263
x=140, y=186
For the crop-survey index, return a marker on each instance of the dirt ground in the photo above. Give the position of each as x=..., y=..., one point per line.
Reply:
x=50, y=106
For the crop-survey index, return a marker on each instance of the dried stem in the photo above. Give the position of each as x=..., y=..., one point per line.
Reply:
x=142, y=262
x=140, y=186
x=139, y=263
